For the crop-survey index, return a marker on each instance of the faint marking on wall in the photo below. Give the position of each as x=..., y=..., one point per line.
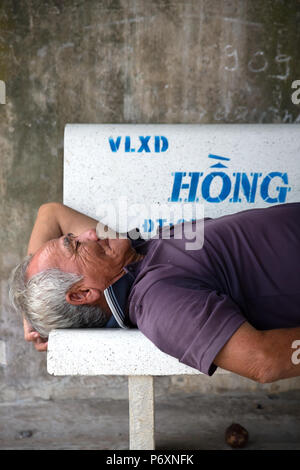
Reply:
x=238, y=20
x=258, y=65
x=258, y=62
x=232, y=53
x=282, y=59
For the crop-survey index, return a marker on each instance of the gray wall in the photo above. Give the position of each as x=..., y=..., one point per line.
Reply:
x=159, y=61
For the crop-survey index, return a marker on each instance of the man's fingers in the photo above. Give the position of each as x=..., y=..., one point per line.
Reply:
x=40, y=340
x=32, y=336
x=41, y=345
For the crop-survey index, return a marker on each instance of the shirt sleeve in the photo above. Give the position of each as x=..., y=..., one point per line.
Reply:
x=188, y=323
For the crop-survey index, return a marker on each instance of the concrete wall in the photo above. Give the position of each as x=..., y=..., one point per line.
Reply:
x=159, y=61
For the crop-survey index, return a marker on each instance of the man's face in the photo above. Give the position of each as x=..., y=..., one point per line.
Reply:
x=100, y=262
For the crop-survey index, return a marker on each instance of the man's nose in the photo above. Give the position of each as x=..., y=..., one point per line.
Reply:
x=89, y=235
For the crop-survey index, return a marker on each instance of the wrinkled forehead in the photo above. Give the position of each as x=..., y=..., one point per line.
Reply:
x=46, y=257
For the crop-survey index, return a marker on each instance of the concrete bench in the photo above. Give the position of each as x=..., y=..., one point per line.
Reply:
x=118, y=352
x=224, y=168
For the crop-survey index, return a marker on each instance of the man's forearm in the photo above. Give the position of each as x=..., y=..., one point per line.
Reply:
x=45, y=228
x=263, y=356
x=54, y=220
x=282, y=353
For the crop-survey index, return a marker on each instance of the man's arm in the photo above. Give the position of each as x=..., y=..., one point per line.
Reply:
x=53, y=220
x=243, y=353
x=195, y=323
x=279, y=349
x=263, y=356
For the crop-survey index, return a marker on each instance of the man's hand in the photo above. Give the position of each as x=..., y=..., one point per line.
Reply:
x=40, y=344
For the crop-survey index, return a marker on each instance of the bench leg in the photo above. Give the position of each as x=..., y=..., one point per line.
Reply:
x=141, y=412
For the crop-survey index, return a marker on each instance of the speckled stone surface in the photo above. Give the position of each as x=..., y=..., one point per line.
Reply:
x=109, y=352
x=141, y=412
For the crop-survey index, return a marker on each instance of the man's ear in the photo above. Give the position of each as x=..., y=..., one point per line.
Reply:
x=82, y=296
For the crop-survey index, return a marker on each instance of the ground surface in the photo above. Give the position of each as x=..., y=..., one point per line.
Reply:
x=192, y=422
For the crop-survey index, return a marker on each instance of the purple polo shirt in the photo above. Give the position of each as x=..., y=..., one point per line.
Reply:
x=190, y=303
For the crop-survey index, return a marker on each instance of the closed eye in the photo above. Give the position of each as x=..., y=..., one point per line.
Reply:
x=72, y=237
x=66, y=242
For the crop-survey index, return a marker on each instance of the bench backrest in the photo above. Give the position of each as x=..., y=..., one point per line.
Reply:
x=220, y=169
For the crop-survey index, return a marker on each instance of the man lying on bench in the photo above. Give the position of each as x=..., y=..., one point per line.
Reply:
x=234, y=303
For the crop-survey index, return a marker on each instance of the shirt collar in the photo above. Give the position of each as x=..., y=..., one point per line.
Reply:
x=117, y=293
x=116, y=296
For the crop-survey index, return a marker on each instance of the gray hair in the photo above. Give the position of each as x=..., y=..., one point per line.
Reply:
x=42, y=300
